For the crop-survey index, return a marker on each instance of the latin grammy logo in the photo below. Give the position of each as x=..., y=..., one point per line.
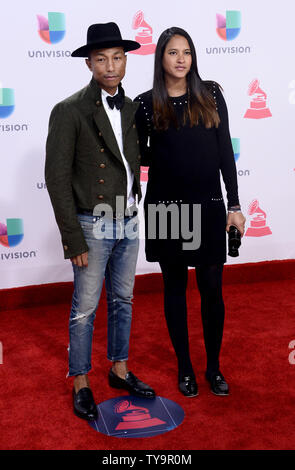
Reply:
x=135, y=417
x=143, y=36
x=258, y=227
x=258, y=108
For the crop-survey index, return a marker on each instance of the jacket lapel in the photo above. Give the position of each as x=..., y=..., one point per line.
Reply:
x=104, y=126
x=101, y=119
x=127, y=116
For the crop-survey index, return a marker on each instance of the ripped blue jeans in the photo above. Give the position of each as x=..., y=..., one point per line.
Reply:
x=112, y=258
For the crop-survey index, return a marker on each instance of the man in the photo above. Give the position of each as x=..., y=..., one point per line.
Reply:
x=92, y=160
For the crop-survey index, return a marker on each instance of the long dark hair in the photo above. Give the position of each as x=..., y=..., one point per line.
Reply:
x=201, y=104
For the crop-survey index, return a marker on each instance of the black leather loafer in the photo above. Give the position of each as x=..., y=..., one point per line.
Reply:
x=218, y=384
x=132, y=384
x=84, y=404
x=188, y=386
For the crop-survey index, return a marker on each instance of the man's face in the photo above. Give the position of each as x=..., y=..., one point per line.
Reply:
x=108, y=67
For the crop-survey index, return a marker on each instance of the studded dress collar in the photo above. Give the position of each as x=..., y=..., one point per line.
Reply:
x=179, y=100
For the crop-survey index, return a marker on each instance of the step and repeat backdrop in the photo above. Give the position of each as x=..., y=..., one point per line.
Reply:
x=248, y=47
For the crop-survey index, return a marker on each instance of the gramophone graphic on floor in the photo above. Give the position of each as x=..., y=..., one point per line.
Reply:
x=135, y=417
x=258, y=108
x=143, y=36
x=258, y=227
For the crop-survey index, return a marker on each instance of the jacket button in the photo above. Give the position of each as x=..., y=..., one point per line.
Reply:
x=102, y=150
x=134, y=126
x=102, y=165
x=97, y=103
x=137, y=141
x=101, y=181
x=100, y=134
x=100, y=196
x=66, y=247
x=139, y=157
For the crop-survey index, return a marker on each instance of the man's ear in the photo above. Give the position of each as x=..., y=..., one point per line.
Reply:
x=88, y=63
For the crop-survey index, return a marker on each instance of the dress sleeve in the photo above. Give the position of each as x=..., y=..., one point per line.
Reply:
x=143, y=124
x=227, y=159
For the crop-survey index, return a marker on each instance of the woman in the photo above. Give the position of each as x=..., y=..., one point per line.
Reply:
x=184, y=138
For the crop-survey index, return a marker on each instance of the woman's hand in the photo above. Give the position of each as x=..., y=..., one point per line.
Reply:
x=238, y=220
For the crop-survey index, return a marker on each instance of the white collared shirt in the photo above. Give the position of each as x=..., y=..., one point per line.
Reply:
x=114, y=116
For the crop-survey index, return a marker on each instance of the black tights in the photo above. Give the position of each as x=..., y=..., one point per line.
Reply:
x=209, y=280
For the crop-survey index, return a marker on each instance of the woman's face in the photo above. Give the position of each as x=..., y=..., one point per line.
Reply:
x=177, y=59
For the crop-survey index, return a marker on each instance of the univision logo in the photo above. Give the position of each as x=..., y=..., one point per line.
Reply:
x=7, y=106
x=12, y=233
x=229, y=26
x=53, y=29
x=41, y=185
x=236, y=148
x=6, y=102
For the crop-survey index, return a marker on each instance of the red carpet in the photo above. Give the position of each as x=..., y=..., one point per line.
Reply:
x=36, y=408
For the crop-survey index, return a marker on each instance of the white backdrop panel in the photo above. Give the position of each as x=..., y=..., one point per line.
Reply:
x=41, y=74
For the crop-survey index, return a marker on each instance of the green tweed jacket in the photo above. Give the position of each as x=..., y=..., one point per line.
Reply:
x=84, y=166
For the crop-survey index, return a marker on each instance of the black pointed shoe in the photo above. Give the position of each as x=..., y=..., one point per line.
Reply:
x=188, y=386
x=218, y=384
x=132, y=384
x=84, y=404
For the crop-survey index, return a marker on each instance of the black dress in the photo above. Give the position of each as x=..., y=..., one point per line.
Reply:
x=184, y=168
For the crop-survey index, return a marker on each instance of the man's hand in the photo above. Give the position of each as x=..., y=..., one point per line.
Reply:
x=81, y=260
x=238, y=220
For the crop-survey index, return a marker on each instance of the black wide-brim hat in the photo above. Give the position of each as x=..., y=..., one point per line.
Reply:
x=102, y=36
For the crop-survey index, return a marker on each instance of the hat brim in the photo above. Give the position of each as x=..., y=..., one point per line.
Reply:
x=126, y=44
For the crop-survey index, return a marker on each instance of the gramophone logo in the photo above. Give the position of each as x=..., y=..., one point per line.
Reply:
x=12, y=233
x=144, y=173
x=53, y=29
x=143, y=35
x=229, y=26
x=6, y=102
x=258, y=108
x=130, y=417
x=258, y=227
x=135, y=417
